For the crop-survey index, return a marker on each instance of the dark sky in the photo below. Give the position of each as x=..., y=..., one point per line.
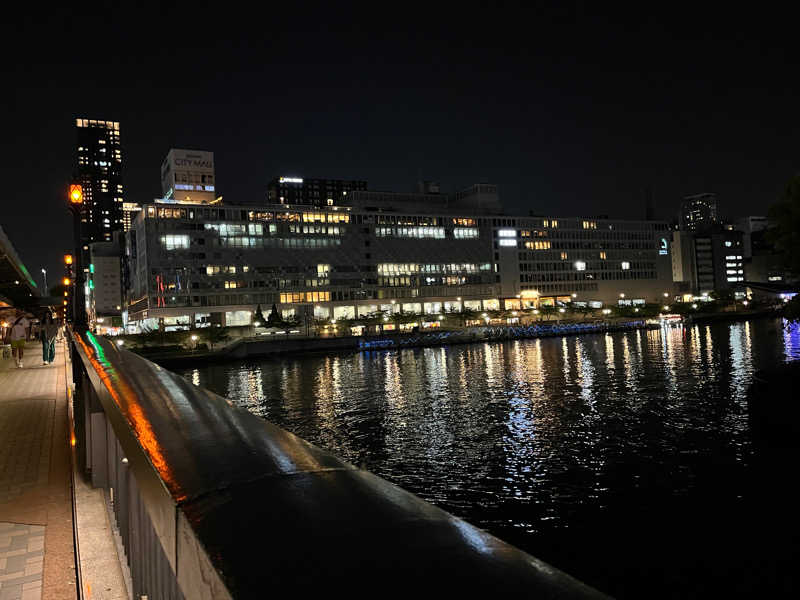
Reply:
x=570, y=111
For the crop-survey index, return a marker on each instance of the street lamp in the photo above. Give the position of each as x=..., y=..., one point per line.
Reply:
x=75, y=198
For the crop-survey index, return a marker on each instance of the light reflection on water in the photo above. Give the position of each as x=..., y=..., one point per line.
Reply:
x=532, y=436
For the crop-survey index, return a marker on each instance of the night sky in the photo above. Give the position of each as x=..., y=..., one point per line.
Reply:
x=568, y=110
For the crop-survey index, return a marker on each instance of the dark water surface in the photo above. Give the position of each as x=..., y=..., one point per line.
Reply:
x=624, y=459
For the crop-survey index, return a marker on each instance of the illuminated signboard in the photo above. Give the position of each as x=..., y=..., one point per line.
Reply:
x=664, y=247
x=291, y=180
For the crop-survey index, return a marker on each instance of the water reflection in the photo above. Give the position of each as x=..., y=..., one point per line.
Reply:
x=534, y=436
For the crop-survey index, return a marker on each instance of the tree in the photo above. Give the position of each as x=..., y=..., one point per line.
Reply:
x=274, y=318
x=785, y=232
x=258, y=317
x=215, y=335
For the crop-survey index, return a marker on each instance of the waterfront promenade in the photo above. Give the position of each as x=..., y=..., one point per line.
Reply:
x=37, y=540
x=36, y=536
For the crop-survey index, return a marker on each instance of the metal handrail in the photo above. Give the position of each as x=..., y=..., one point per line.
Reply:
x=238, y=507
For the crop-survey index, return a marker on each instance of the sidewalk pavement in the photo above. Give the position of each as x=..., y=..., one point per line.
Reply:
x=37, y=559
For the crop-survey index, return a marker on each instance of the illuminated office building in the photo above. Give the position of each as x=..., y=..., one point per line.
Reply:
x=385, y=252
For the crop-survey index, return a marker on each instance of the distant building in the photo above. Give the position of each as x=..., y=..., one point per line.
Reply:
x=129, y=210
x=297, y=191
x=709, y=261
x=105, y=286
x=748, y=226
x=763, y=264
x=99, y=171
x=480, y=198
x=683, y=260
x=698, y=212
x=187, y=176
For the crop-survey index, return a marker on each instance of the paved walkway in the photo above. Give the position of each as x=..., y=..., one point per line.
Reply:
x=37, y=559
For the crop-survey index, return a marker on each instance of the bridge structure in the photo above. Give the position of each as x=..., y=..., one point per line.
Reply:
x=212, y=501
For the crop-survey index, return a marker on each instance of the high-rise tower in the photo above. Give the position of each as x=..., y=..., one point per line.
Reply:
x=698, y=212
x=99, y=171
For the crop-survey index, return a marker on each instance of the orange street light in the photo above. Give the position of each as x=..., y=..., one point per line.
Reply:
x=66, y=281
x=68, y=259
x=76, y=193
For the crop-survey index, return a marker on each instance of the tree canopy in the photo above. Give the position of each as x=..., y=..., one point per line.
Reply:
x=785, y=232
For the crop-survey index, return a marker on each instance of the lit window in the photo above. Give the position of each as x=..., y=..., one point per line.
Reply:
x=507, y=233
x=507, y=242
x=580, y=265
x=174, y=242
x=461, y=233
x=626, y=265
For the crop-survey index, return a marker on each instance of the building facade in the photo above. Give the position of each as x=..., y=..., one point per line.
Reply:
x=698, y=212
x=104, y=286
x=187, y=176
x=99, y=171
x=707, y=262
x=194, y=265
x=297, y=191
x=129, y=210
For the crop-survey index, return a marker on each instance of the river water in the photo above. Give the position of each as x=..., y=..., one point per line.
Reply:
x=624, y=459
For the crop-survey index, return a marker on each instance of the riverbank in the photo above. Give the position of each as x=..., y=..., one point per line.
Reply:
x=263, y=346
x=728, y=316
x=259, y=347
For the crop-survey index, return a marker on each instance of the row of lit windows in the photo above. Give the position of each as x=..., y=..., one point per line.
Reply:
x=538, y=245
x=299, y=243
x=461, y=233
x=231, y=229
x=315, y=217
x=231, y=269
x=411, y=232
x=93, y=123
x=409, y=268
x=242, y=242
x=572, y=276
x=174, y=242
x=318, y=229
x=295, y=297
x=407, y=220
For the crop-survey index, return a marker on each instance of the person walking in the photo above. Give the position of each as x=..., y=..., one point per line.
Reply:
x=18, y=336
x=48, y=332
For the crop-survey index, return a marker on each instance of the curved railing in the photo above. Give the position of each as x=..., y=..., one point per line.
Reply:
x=214, y=502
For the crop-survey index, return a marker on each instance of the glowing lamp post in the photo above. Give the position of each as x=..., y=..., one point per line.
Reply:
x=75, y=199
x=76, y=194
